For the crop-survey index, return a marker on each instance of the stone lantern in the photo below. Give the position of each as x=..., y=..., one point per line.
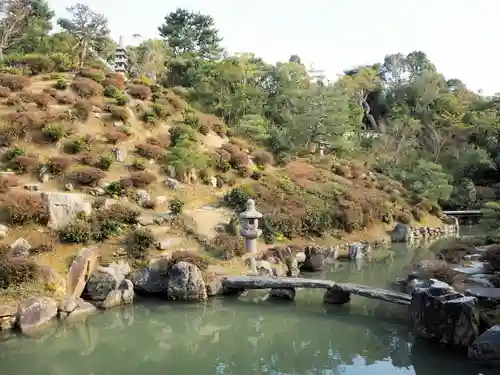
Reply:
x=250, y=231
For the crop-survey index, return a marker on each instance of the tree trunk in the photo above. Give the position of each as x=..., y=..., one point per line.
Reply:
x=84, y=53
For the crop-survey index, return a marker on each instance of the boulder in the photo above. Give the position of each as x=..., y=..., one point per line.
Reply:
x=152, y=279
x=487, y=297
x=80, y=270
x=35, y=312
x=19, y=249
x=336, y=296
x=185, y=283
x=285, y=294
x=486, y=348
x=401, y=233
x=63, y=208
x=102, y=282
x=447, y=317
x=315, y=260
x=123, y=295
x=355, y=251
x=71, y=308
x=4, y=229
x=8, y=315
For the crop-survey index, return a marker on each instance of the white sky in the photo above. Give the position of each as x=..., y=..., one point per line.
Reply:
x=460, y=37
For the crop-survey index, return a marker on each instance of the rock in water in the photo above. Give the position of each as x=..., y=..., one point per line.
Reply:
x=285, y=294
x=486, y=348
x=185, y=283
x=102, y=282
x=401, y=233
x=36, y=311
x=447, y=317
x=315, y=260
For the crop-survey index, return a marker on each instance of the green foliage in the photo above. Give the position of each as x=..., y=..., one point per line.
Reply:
x=78, y=232
x=175, y=206
x=106, y=161
x=490, y=216
x=61, y=84
x=140, y=241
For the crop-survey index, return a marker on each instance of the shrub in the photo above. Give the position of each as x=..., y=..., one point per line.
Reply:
x=13, y=152
x=141, y=179
x=13, y=82
x=121, y=99
x=175, y=206
x=115, y=137
x=492, y=256
x=78, y=232
x=417, y=214
x=83, y=109
x=239, y=160
x=149, y=151
x=43, y=100
x=88, y=176
x=139, y=91
x=54, y=133
x=8, y=181
x=227, y=246
x=262, y=158
x=119, y=113
x=105, y=162
x=4, y=92
x=23, y=208
x=24, y=164
x=181, y=132
x=86, y=88
x=62, y=63
x=116, y=188
x=61, y=84
x=27, y=120
x=36, y=63
x=191, y=120
x=117, y=83
x=160, y=111
x=76, y=145
x=123, y=214
x=163, y=140
x=139, y=164
x=95, y=75
x=204, y=129
x=140, y=241
x=105, y=227
x=65, y=99
x=58, y=165
x=15, y=274
x=111, y=91
x=13, y=101
x=50, y=91
x=403, y=217
x=44, y=245
x=188, y=256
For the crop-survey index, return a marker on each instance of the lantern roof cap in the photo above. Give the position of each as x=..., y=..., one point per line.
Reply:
x=250, y=212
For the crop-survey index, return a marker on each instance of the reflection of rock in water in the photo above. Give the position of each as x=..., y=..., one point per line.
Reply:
x=428, y=359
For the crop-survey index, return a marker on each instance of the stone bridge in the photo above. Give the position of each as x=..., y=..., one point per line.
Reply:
x=336, y=293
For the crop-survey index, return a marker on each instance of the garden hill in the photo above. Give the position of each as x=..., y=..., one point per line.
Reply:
x=138, y=150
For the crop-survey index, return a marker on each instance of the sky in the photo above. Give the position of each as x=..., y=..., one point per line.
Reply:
x=459, y=36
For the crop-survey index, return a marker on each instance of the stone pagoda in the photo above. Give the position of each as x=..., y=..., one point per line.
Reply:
x=250, y=231
x=121, y=60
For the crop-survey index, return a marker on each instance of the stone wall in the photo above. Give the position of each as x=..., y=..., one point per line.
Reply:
x=406, y=233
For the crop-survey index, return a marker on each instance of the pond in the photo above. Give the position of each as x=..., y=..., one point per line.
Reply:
x=244, y=336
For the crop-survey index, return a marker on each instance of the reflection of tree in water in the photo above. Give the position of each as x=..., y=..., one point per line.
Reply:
x=229, y=337
x=223, y=338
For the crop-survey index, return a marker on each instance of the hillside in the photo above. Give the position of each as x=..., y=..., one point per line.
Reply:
x=161, y=177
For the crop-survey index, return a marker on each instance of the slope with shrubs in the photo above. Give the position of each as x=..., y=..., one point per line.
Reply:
x=95, y=133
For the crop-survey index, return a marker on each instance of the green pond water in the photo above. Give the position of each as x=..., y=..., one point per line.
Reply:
x=244, y=336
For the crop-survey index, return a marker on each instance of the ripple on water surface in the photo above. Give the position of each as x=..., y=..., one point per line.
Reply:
x=242, y=337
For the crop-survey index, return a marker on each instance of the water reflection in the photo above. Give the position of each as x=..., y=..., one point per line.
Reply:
x=244, y=337
x=230, y=338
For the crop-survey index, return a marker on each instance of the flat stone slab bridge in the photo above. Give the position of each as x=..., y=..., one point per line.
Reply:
x=337, y=293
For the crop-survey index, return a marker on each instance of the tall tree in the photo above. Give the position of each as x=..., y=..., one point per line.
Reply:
x=187, y=32
x=23, y=19
x=88, y=27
